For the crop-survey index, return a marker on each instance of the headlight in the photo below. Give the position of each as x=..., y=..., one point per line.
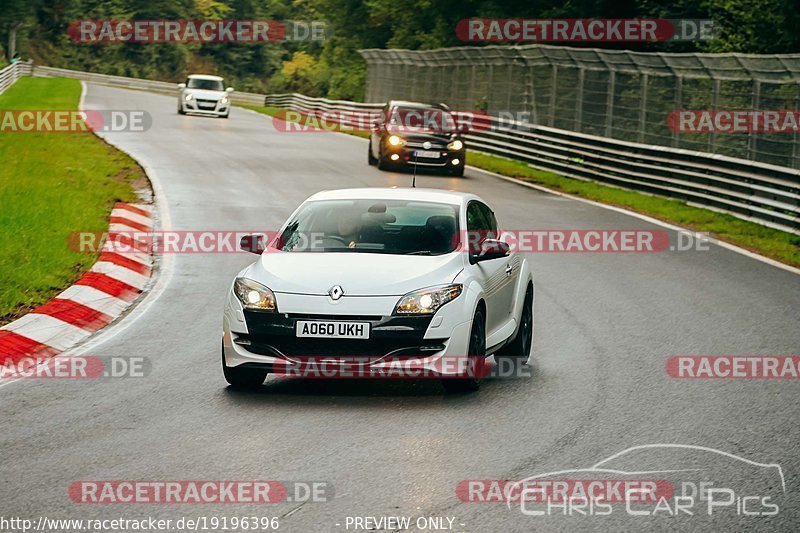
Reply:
x=394, y=140
x=455, y=145
x=188, y=97
x=427, y=301
x=224, y=100
x=254, y=295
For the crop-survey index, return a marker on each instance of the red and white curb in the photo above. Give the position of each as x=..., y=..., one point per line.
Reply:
x=93, y=302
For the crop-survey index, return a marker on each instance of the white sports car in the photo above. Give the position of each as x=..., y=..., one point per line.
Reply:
x=380, y=274
x=204, y=95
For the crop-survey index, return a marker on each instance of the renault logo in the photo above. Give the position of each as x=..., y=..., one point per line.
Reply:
x=336, y=292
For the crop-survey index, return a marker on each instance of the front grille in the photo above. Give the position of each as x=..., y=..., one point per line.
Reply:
x=308, y=316
x=426, y=162
x=274, y=334
x=207, y=103
x=369, y=350
x=434, y=146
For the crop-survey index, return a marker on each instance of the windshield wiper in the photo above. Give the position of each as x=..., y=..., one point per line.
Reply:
x=420, y=252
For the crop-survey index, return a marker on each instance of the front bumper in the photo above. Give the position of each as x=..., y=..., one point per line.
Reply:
x=447, y=159
x=268, y=340
x=206, y=107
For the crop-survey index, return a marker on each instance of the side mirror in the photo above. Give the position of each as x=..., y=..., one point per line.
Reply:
x=229, y=90
x=490, y=249
x=252, y=243
x=376, y=125
x=181, y=86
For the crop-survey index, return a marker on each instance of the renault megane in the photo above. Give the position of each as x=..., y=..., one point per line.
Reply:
x=380, y=273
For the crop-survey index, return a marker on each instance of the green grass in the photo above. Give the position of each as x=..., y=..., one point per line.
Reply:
x=778, y=245
x=51, y=185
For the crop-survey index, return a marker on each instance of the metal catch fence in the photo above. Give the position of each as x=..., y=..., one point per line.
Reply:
x=611, y=93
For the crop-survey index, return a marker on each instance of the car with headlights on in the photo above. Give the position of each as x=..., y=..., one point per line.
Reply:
x=413, y=134
x=204, y=95
x=380, y=274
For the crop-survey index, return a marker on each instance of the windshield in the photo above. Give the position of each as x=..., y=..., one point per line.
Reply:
x=208, y=85
x=373, y=226
x=423, y=118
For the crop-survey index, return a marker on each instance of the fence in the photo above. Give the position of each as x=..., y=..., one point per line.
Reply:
x=762, y=193
x=612, y=93
x=10, y=74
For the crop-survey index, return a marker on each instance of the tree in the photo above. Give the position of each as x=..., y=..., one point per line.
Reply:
x=13, y=15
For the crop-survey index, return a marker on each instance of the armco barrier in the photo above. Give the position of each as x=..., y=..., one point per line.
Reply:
x=10, y=74
x=162, y=87
x=759, y=192
x=762, y=193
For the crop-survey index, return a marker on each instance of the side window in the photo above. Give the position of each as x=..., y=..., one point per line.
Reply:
x=491, y=222
x=476, y=219
x=479, y=225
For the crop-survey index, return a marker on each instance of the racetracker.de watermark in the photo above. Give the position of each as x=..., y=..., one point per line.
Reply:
x=199, y=491
x=734, y=366
x=74, y=367
x=398, y=121
x=524, y=241
x=563, y=490
x=379, y=367
x=62, y=121
x=584, y=30
x=734, y=121
x=197, y=31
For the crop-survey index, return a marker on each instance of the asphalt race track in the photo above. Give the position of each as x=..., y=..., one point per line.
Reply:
x=605, y=325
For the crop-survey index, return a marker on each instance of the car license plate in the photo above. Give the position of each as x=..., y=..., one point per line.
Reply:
x=427, y=153
x=332, y=330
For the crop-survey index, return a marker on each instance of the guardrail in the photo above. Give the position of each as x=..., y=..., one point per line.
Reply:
x=161, y=87
x=758, y=192
x=10, y=74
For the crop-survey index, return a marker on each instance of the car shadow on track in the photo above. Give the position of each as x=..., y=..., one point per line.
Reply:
x=315, y=391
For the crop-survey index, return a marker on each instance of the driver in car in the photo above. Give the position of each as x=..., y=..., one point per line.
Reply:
x=349, y=229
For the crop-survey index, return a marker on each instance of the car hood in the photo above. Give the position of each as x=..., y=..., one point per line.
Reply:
x=206, y=95
x=422, y=135
x=359, y=274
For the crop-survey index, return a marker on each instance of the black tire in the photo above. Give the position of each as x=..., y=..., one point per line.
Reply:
x=243, y=378
x=477, y=355
x=226, y=115
x=457, y=172
x=371, y=159
x=180, y=110
x=519, y=348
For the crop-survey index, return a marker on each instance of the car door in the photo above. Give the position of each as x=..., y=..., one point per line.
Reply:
x=511, y=269
x=490, y=274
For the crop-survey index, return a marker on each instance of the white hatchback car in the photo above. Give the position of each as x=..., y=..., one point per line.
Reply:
x=380, y=274
x=204, y=95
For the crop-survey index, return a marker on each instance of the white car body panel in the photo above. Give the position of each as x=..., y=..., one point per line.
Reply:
x=374, y=283
x=220, y=108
